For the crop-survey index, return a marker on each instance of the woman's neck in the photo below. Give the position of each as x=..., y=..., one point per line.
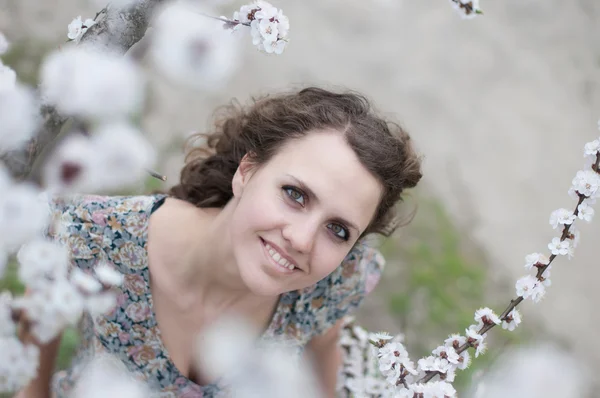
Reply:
x=199, y=255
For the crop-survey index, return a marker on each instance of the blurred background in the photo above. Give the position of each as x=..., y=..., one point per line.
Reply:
x=500, y=107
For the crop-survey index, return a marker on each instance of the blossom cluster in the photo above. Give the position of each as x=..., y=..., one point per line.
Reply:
x=394, y=362
x=57, y=297
x=18, y=108
x=268, y=26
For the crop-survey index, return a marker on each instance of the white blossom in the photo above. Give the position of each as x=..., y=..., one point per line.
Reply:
x=465, y=360
x=124, y=155
x=361, y=335
x=448, y=353
x=563, y=248
x=101, y=303
x=513, y=319
x=90, y=84
x=8, y=77
x=467, y=9
x=586, y=182
x=192, y=50
x=116, y=155
x=380, y=337
x=392, y=349
x=485, y=316
x=42, y=260
x=107, y=376
x=51, y=307
x=546, y=277
x=455, y=341
x=434, y=364
x=561, y=217
x=70, y=167
x=590, y=150
x=18, y=364
x=269, y=28
x=573, y=238
x=76, y=29
x=19, y=112
x=4, y=44
x=585, y=212
x=22, y=215
x=84, y=281
x=108, y=275
x=535, y=258
x=473, y=336
x=481, y=349
x=266, y=369
x=530, y=286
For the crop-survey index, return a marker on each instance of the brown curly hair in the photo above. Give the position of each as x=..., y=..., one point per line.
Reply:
x=383, y=147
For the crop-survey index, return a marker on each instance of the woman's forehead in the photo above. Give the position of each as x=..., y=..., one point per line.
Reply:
x=327, y=165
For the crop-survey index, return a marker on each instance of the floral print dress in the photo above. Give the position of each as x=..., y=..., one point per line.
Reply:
x=114, y=229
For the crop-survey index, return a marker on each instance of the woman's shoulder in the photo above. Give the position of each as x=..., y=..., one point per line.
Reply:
x=84, y=205
x=84, y=217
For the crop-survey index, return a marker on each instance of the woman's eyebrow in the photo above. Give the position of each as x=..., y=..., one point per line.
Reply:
x=312, y=194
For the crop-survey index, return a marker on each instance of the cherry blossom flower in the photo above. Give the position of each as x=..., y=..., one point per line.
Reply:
x=536, y=260
x=42, y=260
x=90, y=84
x=448, y=353
x=19, y=111
x=561, y=217
x=192, y=50
x=563, y=248
x=108, y=275
x=85, y=282
x=18, y=363
x=512, y=320
x=591, y=149
x=530, y=286
x=4, y=44
x=268, y=26
x=8, y=77
x=77, y=28
x=485, y=316
x=586, y=182
x=22, y=216
x=585, y=212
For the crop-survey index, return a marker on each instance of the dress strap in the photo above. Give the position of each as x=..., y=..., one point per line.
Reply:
x=158, y=203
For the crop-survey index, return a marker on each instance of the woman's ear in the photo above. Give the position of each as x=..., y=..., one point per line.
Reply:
x=242, y=175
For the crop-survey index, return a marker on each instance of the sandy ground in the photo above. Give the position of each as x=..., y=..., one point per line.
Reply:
x=501, y=106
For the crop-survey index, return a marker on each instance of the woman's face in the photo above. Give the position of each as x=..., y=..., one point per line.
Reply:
x=304, y=210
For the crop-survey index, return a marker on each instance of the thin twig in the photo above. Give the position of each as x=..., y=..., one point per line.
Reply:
x=156, y=175
x=515, y=302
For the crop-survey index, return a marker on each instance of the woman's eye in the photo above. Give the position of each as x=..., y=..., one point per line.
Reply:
x=340, y=231
x=295, y=195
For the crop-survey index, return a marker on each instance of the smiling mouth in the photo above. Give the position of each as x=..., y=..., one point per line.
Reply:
x=280, y=261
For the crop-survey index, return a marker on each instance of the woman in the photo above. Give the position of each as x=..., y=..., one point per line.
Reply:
x=266, y=222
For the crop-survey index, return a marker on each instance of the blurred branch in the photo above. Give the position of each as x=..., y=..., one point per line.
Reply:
x=116, y=31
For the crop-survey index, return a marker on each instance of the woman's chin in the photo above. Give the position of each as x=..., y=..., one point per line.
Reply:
x=262, y=284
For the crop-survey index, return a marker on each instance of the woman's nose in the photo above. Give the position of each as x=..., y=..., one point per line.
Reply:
x=301, y=235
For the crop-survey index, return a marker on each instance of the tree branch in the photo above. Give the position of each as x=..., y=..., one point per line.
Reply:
x=116, y=31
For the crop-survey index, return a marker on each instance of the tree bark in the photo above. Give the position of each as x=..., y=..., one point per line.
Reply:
x=117, y=30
